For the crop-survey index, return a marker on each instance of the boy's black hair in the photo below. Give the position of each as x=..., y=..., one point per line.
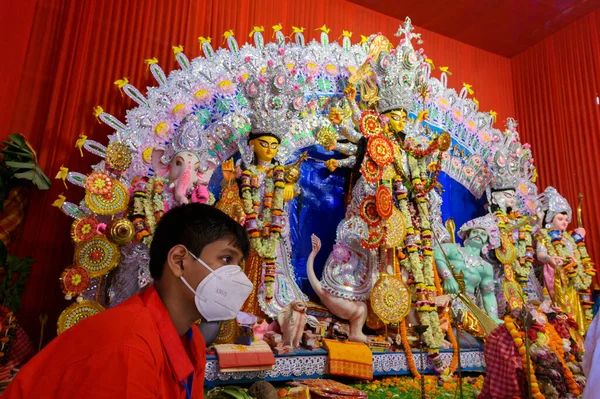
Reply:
x=193, y=226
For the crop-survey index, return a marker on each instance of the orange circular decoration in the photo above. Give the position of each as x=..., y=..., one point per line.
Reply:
x=74, y=280
x=369, y=124
x=384, y=201
x=84, y=229
x=375, y=239
x=99, y=183
x=368, y=211
x=371, y=171
x=444, y=141
x=381, y=151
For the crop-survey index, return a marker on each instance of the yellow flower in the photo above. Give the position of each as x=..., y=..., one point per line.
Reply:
x=76, y=279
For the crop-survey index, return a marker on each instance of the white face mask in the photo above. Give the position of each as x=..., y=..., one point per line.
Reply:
x=222, y=293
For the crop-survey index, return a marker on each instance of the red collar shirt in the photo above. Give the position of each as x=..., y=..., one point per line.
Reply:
x=130, y=351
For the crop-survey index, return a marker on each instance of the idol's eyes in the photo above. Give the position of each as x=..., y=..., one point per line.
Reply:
x=274, y=146
x=178, y=162
x=263, y=144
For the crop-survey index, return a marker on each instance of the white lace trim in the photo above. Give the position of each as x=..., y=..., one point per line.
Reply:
x=314, y=366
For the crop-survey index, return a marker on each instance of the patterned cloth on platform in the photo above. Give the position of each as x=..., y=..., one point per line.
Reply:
x=21, y=350
x=11, y=218
x=349, y=359
x=257, y=356
x=504, y=369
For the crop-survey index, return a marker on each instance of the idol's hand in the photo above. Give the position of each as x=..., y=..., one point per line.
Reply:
x=289, y=192
x=423, y=116
x=335, y=116
x=580, y=231
x=497, y=320
x=451, y=286
x=555, y=261
x=238, y=213
x=350, y=92
x=331, y=164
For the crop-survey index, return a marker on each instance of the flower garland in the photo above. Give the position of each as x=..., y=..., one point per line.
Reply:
x=556, y=344
x=264, y=225
x=522, y=266
x=148, y=207
x=518, y=339
x=409, y=357
x=575, y=270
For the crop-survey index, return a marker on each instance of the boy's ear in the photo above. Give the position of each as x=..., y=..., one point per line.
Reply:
x=175, y=259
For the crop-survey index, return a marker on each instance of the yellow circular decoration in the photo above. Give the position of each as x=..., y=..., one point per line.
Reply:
x=98, y=256
x=506, y=253
x=395, y=229
x=513, y=294
x=390, y=299
x=227, y=332
x=147, y=155
x=77, y=312
x=111, y=203
x=118, y=156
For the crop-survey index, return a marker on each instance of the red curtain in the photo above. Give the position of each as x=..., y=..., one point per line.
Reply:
x=78, y=49
x=556, y=85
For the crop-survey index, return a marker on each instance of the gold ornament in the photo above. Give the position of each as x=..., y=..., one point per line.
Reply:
x=227, y=333
x=395, y=229
x=444, y=141
x=120, y=231
x=77, y=312
x=390, y=299
x=506, y=253
x=327, y=137
x=118, y=156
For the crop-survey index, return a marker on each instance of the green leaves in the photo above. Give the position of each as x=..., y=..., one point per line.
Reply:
x=228, y=392
x=20, y=163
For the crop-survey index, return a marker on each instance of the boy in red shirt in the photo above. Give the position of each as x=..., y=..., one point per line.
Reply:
x=148, y=347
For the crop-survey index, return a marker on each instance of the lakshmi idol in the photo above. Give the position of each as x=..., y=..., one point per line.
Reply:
x=568, y=269
x=276, y=102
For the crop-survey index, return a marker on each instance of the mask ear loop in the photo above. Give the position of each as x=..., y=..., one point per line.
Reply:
x=204, y=264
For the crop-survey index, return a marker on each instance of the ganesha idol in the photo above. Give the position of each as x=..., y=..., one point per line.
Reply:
x=185, y=164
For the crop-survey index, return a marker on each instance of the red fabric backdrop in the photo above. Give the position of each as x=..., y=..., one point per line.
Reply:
x=77, y=49
x=556, y=85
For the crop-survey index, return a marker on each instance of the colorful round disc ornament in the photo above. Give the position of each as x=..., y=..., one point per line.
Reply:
x=99, y=183
x=112, y=202
x=371, y=171
x=84, y=229
x=369, y=124
x=74, y=281
x=384, y=201
x=374, y=240
x=381, y=151
x=368, y=211
x=390, y=299
x=513, y=294
x=98, y=256
x=77, y=312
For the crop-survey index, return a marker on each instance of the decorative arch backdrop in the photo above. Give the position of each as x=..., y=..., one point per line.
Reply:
x=66, y=54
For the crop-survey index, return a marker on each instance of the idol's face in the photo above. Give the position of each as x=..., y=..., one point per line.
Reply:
x=560, y=221
x=265, y=148
x=397, y=120
x=477, y=238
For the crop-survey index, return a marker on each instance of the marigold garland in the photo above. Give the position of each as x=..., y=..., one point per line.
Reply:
x=556, y=344
x=518, y=339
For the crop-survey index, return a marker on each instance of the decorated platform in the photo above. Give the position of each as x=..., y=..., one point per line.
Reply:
x=313, y=364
